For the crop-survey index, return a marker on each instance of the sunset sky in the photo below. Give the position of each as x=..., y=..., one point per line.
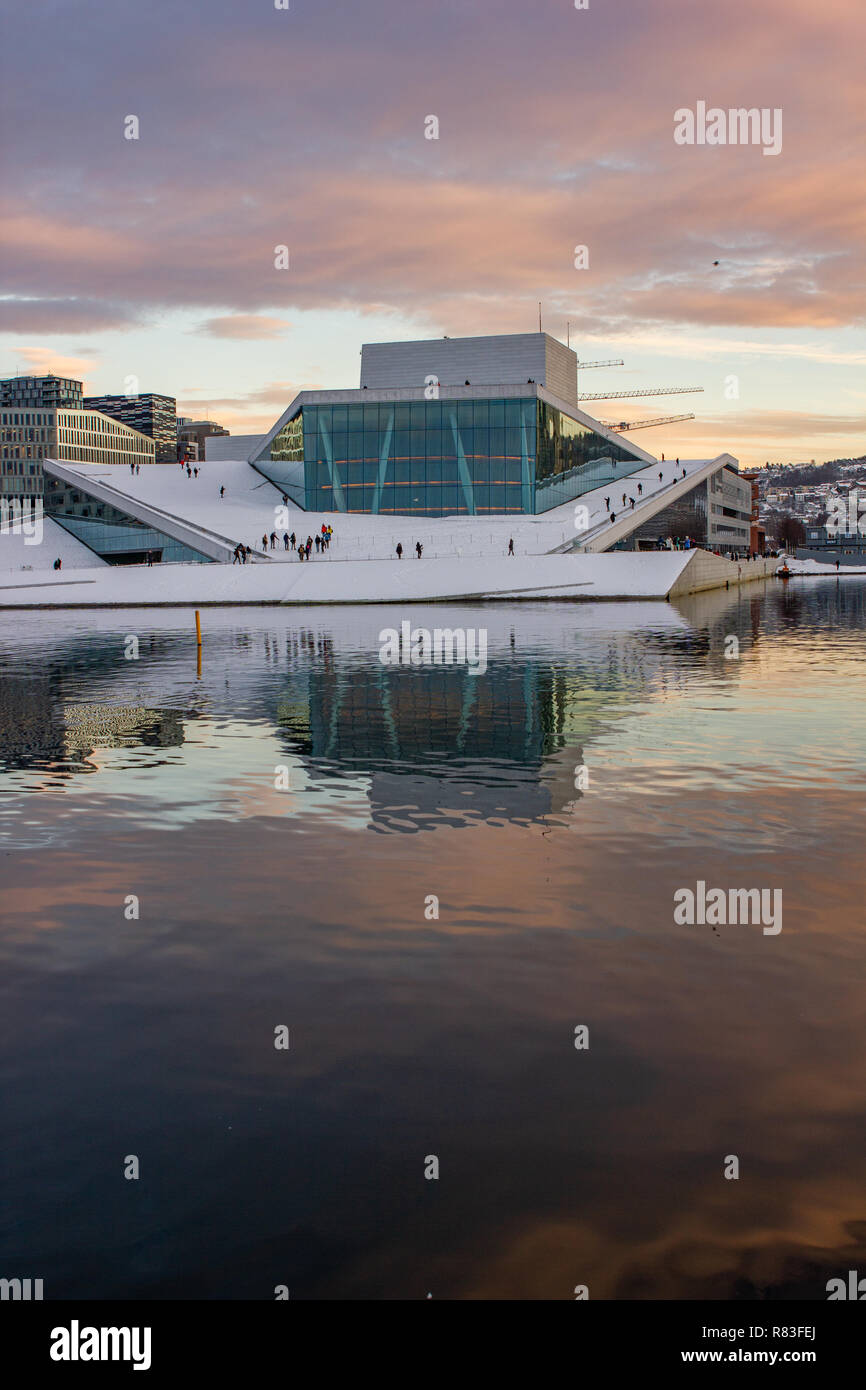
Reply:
x=154, y=257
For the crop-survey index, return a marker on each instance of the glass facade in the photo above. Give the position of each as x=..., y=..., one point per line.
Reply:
x=112, y=534
x=440, y=457
x=424, y=458
x=572, y=459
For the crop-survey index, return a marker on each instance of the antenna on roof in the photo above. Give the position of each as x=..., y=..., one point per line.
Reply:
x=539, y=315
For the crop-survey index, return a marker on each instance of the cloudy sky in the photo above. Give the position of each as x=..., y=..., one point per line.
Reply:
x=154, y=258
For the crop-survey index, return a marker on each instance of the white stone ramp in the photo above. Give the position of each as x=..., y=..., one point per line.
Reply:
x=188, y=508
x=575, y=576
x=18, y=553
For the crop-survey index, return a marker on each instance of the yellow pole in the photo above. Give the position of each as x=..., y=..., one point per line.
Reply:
x=197, y=628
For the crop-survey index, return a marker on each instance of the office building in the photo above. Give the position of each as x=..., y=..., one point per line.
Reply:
x=42, y=417
x=148, y=413
x=196, y=432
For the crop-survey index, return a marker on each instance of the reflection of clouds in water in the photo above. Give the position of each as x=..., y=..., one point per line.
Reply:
x=602, y=1167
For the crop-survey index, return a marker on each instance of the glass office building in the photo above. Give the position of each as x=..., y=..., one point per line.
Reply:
x=469, y=457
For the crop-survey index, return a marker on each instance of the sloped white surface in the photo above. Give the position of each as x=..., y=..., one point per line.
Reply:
x=17, y=554
x=326, y=580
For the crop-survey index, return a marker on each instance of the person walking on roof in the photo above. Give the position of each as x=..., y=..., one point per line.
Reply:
x=399, y=551
x=511, y=545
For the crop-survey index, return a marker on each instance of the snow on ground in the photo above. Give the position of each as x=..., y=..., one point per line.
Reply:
x=820, y=567
x=248, y=511
x=18, y=552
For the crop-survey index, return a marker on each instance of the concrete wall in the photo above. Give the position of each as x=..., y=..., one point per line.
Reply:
x=231, y=446
x=510, y=358
x=706, y=571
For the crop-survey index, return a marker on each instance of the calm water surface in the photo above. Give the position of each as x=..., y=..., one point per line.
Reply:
x=412, y=1036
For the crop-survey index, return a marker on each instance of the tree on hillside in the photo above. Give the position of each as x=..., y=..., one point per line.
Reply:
x=790, y=531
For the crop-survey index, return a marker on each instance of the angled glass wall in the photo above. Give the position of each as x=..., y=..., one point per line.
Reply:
x=284, y=460
x=111, y=534
x=572, y=459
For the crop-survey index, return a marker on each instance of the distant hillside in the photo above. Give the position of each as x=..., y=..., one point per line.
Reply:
x=799, y=475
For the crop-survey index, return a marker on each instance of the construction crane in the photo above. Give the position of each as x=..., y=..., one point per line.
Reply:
x=643, y=424
x=613, y=362
x=652, y=391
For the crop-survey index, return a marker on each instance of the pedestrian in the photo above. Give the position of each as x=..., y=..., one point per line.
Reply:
x=131, y=466
x=285, y=500
x=137, y=469
x=399, y=551
x=292, y=539
x=222, y=492
x=837, y=566
x=236, y=553
x=309, y=545
x=613, y=517
x=318, y=541
x=273, y=540
x=300, y=552
x=511, y=545
x=264, y=542
x=640, y=489
x=631, y=499
x=607, y=503
x=195, y=472
x=663, y=459
x=660, y=476
x=677, y=463
x=285, y=540
x=418, y=549
x=188, y=471
x=623, y=499
x=150, y=559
